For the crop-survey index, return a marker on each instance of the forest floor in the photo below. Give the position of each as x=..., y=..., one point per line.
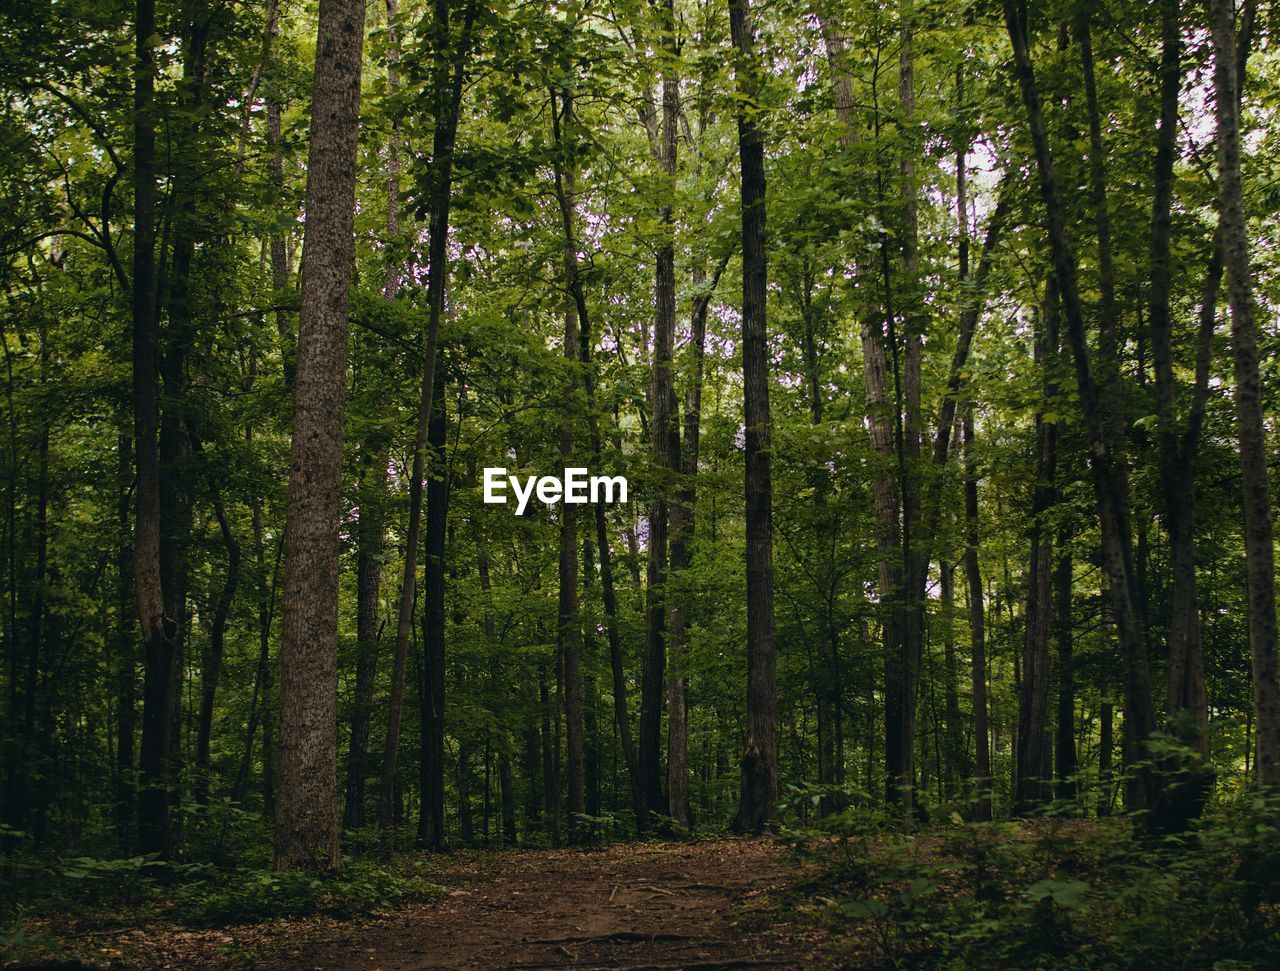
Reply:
x=715, y=904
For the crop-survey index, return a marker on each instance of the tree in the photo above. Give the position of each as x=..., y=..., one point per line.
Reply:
x=447, y=80
x=1109, y=478
x=1258, y=539
x=664, y=431
x=760, y=754
x=159, y=631
x=306, y=830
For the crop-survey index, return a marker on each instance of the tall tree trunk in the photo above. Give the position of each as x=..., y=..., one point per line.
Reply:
x=1108, y=475
x=532, y=768
x=954, y=748
x=608, y=593
x=881, y=433
x=159, y=630
x=760, y=754
x=569, y=630
x=550, y=758
x=277, y=246
x=211, y=663
x=1185, y=698
x=431, y=763
x=30, y=788
x=126, y=648
x=447, y=80
x=1065, y=764
x=914, y=531
x=1258, y=533
x=306, y=832
x=1109, y=373
x=664, y=429
x=261, y=706
x=1032, y=780
x=506, y=784
x=977, y=623
x=682, y=535
x=371, y=526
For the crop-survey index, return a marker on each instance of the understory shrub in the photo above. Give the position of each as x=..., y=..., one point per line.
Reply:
x=1050, y=892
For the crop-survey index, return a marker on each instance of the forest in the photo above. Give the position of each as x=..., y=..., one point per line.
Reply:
x=933, y=343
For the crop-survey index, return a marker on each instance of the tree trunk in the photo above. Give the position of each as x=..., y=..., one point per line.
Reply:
x=957, y=771
x=569, y=628
x=126, y=649
x=371, y=501
x=760, y=754
x=1108, y=476
x=977, y=623
x=908, y=388
x=1032, y=780
x=306, y=833
x=159, y=631
x=1065, y=765
x=447, y=81
x=608, y=593
x=665, y=432
x=1258, y=533
x=431, y=764
x=682, y=535
x=550, y=756
x=261, y=706
x=211, y=663
x=277, y=246
x=1106, y=748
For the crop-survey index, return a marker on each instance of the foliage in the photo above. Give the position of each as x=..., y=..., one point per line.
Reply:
x=243, y=896
x=1057, y=893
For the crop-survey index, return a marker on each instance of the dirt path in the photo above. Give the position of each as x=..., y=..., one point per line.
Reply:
x=700, y=905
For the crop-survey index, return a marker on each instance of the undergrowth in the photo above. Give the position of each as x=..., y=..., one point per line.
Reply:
x=1049, y=892
x=229, y=883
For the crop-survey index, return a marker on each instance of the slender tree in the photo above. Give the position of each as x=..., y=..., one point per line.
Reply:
x=372, y=488
x=1258, y=533
x=449, y=72
x=760, y=754
x=663, y=429
x=1032, y=769
x=1108, y=477
x=159, y=630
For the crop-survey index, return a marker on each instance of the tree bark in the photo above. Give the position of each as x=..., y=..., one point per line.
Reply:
x=1032, y=781
x=1065, y=762
x=431, y=830
x=760, y=754
x=371, y=501
x=569, y=630
x=211, y=663
x=683, y=525
x=448, y=75
x=665, y=437
x=261, y=706
x=1258, y=532
x=977, y=623
x=159, y=630
x=909, y=427
x=126, y=649
x=306, y=832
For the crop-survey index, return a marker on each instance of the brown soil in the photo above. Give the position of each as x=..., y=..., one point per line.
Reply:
x=698, y=905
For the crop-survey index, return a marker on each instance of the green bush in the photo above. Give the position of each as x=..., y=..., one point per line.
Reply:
x=1058, y=893
x=243, y=896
